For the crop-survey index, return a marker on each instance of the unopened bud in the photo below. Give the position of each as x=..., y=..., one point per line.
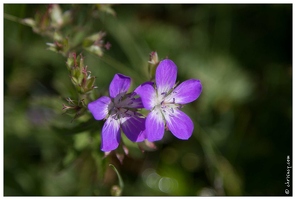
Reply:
x=147, y=146
x=81, y=62
x=108, y=45
x=152, y=64
x=153, y=58
x=116, y=190
x=75, y=107
x=95, y=43
x=90, y=83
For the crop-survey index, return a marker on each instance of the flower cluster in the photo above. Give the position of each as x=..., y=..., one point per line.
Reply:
x=163, y=98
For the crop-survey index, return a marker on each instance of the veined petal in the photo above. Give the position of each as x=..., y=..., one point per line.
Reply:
x=180, y=124
x=165, y=76
x=186, y=92
x=99, y=107
x=146, y=83
x=148, y=95
x=133, y=128
x=119, y=84
x=154, y=126
x=110, y=135
x=136, y=103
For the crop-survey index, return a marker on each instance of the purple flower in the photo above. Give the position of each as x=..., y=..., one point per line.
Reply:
x=164, y=100
x=120, y=112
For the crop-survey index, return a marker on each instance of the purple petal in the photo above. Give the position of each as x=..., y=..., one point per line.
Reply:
x=165, y=76
x=136, y=103
x=119, y=84
x=147, y=94
x=140, y=86
x=110, y=135
x=133, y=128
x=154, y=126
x=99, y=107
x=180, y=124
x=186, y=92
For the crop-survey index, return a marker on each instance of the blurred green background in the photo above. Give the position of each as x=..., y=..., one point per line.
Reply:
x=243, y=119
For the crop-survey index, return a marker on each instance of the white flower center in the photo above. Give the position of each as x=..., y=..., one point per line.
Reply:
x=165, y=104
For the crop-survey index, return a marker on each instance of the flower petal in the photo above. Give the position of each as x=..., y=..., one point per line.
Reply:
x=110, y=135
x=180, y=124
x=154, y=126
x=136, y=103
x=99, y=107
x=186, y=92
x=147, y=94
x=119, y=84
x=132, y=100
x=133, y=128
x=165, y=76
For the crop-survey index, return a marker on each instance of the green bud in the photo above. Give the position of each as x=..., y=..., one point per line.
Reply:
x=95, y=43
x=70, y=63
x=74, y=81
x=116, y=190
x=152, y=64
x=90, y=83
x=69, y=109
x=77, y=108
x=56, y=16
x=57, y=36
x=95, y=50
x=42, y=21
x=29, y=22
x=75, y=72
x=81, y=65
x=106, y=8
x=61, y=45
x=81, y=80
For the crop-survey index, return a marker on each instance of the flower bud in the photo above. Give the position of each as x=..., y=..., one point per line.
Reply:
x=70, y=61
x=95, y=43
x=153, y=62
x=56, y=16
x=60, y=45
x=153, y=58
x=74, y=107
x=90, y=83
x=116, y=190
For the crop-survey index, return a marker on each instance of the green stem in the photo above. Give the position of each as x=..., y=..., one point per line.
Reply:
x=121, y=184
x=13, y=18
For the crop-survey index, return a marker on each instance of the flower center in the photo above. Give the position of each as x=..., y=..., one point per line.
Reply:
x=166, y=105
x=122, y=106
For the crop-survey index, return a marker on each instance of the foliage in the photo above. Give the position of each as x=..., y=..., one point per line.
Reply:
x=243, y=119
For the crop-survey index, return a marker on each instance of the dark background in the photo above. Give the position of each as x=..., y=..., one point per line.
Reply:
x=243, y=119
